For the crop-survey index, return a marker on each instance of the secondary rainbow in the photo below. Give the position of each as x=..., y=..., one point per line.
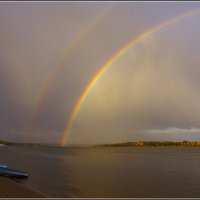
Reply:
x=67, y=52
x=108, y=64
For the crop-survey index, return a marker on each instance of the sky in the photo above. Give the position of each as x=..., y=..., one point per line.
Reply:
x=50, y=52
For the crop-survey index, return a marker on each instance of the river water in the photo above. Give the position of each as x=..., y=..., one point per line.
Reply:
x=108, y=172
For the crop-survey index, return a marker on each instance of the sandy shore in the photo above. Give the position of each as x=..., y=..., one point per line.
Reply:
x=11, y=189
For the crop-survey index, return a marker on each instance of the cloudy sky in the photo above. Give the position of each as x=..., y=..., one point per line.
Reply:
x=50, y=51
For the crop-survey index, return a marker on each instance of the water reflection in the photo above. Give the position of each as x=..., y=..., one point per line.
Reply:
x=108, y=172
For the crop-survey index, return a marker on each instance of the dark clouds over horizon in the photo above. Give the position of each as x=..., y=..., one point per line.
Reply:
x=128, y=99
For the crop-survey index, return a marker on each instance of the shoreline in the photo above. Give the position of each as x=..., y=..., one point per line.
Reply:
x=13, y=189
x=153, y=144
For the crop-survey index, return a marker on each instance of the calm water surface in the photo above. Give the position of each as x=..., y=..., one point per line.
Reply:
x=107, y=171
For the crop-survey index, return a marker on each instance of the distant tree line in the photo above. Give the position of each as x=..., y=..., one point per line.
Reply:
x=22, y=143
x=5, y=142
x=153, y=143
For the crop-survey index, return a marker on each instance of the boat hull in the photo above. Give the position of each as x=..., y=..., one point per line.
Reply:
x=12, y=173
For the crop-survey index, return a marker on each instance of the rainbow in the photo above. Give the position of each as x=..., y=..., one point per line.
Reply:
x=109, y=63
x=67, y=52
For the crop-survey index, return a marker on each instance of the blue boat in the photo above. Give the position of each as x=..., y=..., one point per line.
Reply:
x=5, y=171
